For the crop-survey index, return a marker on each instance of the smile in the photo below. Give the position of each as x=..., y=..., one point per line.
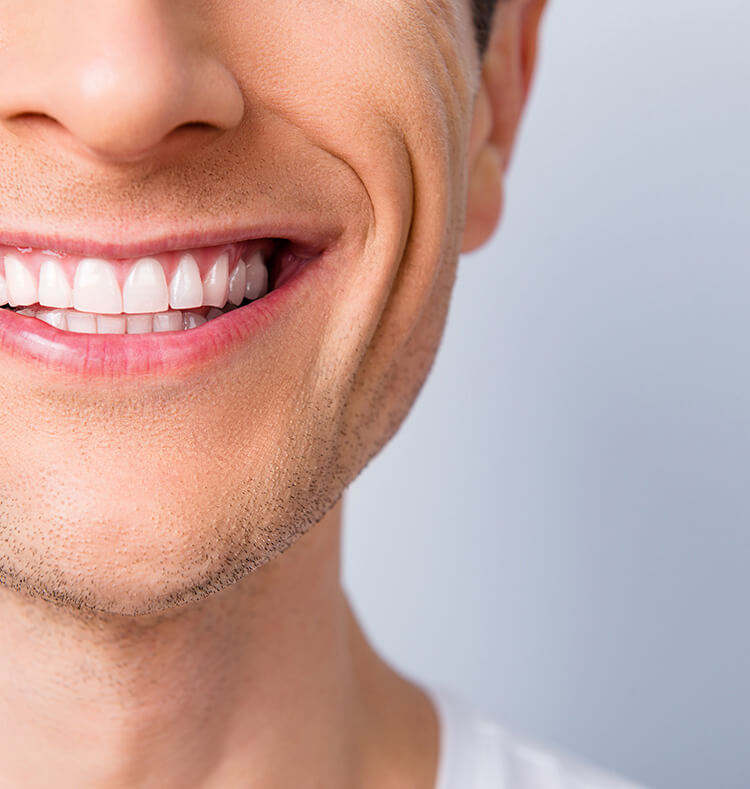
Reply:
x=80, y=314
x=173, y=291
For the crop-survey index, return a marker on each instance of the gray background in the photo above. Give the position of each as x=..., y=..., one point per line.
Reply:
x=560, y=530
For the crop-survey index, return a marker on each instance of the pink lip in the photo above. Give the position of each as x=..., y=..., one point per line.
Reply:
x=302, y=232
x=167, y=354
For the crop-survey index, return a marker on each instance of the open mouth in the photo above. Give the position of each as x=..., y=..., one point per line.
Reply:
x=166, y=292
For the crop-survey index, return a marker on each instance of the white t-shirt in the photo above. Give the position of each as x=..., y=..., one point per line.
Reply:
x=478, y=754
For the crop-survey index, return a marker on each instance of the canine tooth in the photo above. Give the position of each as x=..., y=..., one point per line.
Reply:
x=81, y=322
x=216, y=283
x=139, y=324
x=186, y=288
x=28, y=312
x=214, y=312
x=3, y=290
x=256, y=284
x=54, y=288
x=110, y=324
x=22, y=288
x=168, y=321
x=145, y=288
x=95, y=287
x=55, y=318
x=237, y=283
x=192, y=319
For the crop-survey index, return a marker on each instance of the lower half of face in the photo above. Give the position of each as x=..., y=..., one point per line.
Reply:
x=149, y=457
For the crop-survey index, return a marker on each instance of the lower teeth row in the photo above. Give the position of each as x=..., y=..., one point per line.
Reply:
x=146, y=323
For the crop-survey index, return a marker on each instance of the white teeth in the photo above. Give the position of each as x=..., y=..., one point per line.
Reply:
x=192, y=319
x=216, y=283
x=237, y=284
x=256, y=274
x=22, y=288
x=140, y=324
x=54, y=288
x=81, y=322
x=110, y=324
x=95, y=287
x=96, y=304
x=168, y=321
x=145, y=288
x=55, y=318
x=186, y=288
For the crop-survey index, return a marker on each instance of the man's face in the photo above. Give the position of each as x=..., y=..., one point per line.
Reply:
x=340, y=127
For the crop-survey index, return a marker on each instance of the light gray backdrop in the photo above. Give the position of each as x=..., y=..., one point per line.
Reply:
x=561, y=530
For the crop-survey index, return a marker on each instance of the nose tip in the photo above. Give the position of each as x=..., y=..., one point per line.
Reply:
x=124, y=108
x=120, y=81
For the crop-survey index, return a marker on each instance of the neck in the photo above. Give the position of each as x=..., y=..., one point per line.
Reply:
x=268, y=683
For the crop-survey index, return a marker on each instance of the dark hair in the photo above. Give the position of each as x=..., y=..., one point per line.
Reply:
x=483, y=11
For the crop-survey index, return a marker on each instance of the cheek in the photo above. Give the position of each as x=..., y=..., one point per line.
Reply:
x=389, y=381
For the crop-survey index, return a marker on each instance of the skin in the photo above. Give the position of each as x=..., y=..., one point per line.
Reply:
x=147, y=640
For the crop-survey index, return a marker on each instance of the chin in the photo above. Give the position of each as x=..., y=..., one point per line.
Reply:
x=133, y=556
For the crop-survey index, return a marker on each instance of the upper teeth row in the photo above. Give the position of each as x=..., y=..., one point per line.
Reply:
x=96, y=288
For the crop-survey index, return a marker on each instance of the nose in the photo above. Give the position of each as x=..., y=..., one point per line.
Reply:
x=121, y=78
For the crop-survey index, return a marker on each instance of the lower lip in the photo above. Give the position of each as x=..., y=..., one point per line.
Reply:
x=114, y=356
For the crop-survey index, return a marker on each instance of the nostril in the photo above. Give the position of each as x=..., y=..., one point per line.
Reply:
x=193, y=128
x=190, y=133
x=34, y=124
x=199, y=125
x=42, y=126
x=33, y=118
x=38, y=126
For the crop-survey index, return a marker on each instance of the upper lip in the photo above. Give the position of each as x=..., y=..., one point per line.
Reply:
x=141, y=244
